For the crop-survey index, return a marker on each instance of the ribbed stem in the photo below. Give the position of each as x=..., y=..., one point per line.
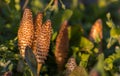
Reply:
x=39, y=66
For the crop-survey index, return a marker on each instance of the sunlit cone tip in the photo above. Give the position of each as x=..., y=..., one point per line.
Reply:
x=96, y=30
x=27, y=9
x=47, y=27
x=64, y=26
x=27, y=14
x=65, y=22
x=48, y=22
x=39, y=17
x=99, y=21
x=98, y=24
x=40, y=14
x=96, y=33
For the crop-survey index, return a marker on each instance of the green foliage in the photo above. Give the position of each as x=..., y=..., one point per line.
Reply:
x=109, y=62
x=100, y=65
x=109, y=22
x=84, y=60
x=114, y=31
x=67, y=14
x=86, y=45
x=80, y=17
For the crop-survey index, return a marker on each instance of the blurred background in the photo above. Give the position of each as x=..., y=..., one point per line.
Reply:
x=80, y=14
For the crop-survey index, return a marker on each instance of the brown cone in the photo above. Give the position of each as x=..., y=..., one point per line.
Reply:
x=43, y=42
x=38, y=26
x=62, y=44
x=25, y=31
x=70, y=66
x=96, y=31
